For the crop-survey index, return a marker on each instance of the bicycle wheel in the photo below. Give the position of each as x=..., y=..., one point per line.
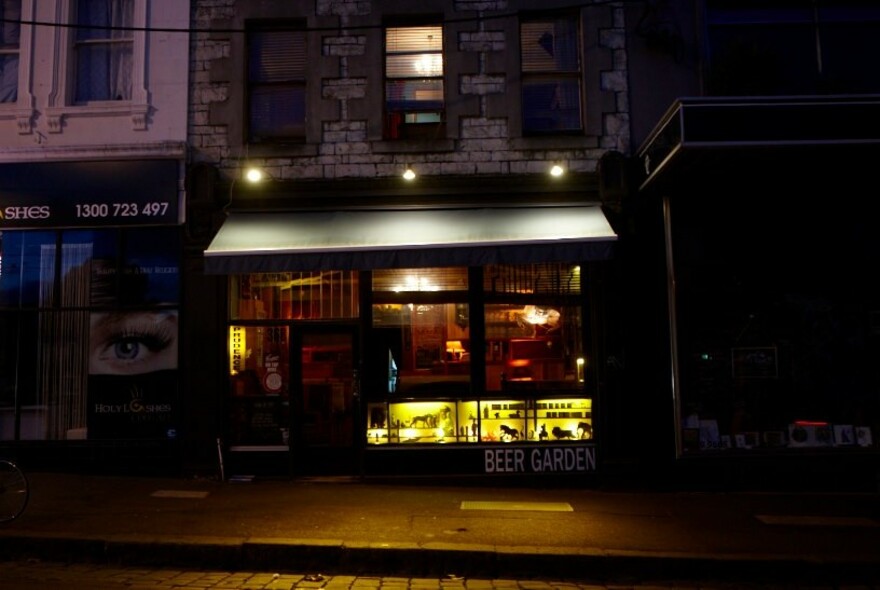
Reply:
x=14, y=491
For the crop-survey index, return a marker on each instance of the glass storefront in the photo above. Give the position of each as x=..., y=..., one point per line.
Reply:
x=90, y=334
x=451, y=357
x=776, y=334
x=268, y=311
x=517, y=376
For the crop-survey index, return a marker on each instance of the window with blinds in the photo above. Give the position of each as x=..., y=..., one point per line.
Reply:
x=414, y=90
x=407, y=280
x=276, y=82
x=540, y=279
x=551, y=75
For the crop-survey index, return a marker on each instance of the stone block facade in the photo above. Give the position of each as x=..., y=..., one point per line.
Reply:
x=483, y=132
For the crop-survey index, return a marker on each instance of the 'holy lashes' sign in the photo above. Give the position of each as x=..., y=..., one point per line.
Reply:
x=89, y=194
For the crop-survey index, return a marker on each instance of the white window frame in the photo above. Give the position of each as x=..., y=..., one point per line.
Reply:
x=22, y=111
x=61, y=96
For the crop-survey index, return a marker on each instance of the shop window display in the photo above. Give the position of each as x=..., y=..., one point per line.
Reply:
x=521, y=381
x=533, y=347
x=484, y=421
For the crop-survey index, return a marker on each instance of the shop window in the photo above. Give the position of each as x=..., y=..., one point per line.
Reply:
x=550, y=278
x=551, y=75
x=259, y=405
x=294, y=295
x=398, y=280
x=95, y=339
x=770, y=358
x=17, y=376
x=507, y=420
x=532, y=354
x=533, y=346
x=103, y=46
x=800, y=47
x=27, y=276
x=276, y=82
x=427, y=347
x=10, y=29
x=414, y=87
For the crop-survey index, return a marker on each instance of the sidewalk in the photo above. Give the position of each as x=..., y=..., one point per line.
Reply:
x=356, y=527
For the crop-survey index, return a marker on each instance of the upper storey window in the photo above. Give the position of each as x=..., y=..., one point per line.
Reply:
x=10, y=28
x=276, y=82
x=104, y=47
x=414, y=91
x=551, y=75
x=793, y=47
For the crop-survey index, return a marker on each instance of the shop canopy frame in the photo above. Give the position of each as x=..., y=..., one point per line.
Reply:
x=364, y=239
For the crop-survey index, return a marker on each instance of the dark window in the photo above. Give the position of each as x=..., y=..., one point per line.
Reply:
x=414, y=90
x=276, y=82
x=792, y=47
x=551, y=75
x=10, y=28
x=104, y=53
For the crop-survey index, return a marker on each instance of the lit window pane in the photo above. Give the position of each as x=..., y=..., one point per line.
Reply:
x=409, y=39
x=414, y=91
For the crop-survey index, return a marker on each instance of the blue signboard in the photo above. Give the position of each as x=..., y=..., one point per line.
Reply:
x=89, y=194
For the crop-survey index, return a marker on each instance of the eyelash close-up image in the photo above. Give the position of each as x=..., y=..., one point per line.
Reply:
x=133, y=343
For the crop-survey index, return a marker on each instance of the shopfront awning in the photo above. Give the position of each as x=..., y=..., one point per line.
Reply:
x=724, y=141
x=407, y=238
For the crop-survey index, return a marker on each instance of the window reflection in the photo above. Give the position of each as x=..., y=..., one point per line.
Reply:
x=430, y=345
x=533, y=346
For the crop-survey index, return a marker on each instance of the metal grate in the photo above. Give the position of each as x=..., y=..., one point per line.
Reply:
x=555, y=279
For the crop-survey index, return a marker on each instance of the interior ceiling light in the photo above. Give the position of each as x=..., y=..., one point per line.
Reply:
x=557, y=170
x=409, y=173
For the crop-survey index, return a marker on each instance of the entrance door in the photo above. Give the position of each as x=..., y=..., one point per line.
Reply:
x=325, y=420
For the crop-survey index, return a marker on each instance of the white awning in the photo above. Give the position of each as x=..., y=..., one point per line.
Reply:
x=408, y=238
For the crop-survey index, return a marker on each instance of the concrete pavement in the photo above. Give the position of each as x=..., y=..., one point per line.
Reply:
x=430, y=529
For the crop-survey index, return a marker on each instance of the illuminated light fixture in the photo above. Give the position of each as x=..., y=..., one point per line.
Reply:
x=454, y=349
x=254, y=175
x=557, y=170
x=429, y=64
x=580, y=369
x=409, y=174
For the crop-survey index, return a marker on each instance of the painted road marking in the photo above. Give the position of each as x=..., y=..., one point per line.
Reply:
x=798, y=520
x=179, y=494
x=535, y=506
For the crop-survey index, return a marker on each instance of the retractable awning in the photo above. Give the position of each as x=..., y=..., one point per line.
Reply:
x=407, y=238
